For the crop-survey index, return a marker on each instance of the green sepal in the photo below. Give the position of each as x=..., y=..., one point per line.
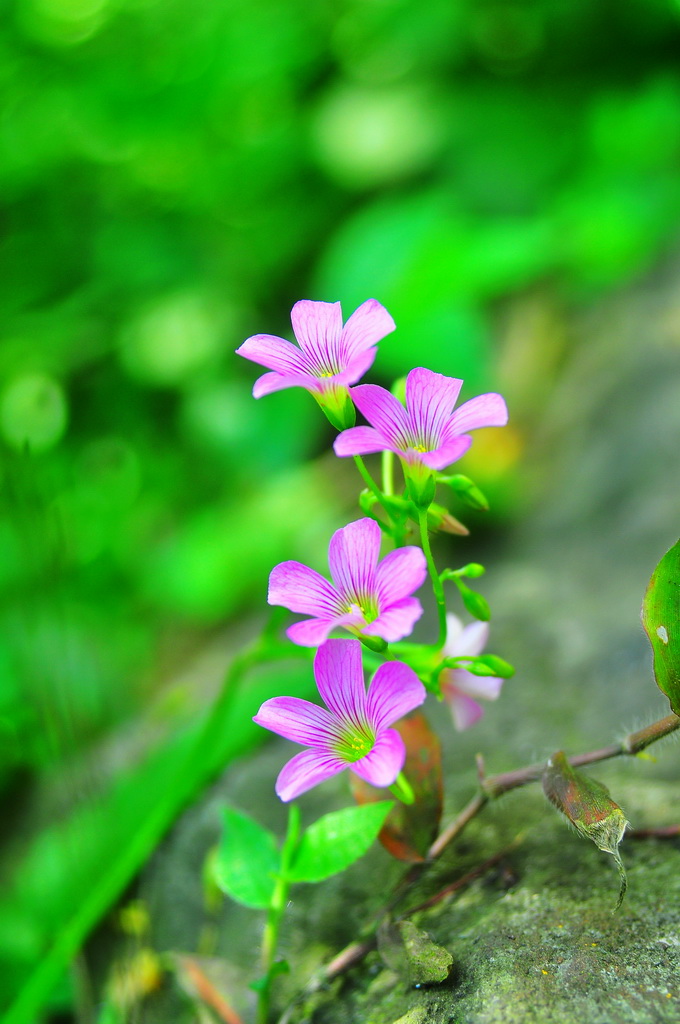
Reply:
x=421, y=488
x=338, y=408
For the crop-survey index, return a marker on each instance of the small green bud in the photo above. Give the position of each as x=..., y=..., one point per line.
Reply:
x=473, y=570
x=439, y=518
x=491, y=665
x=467, y=491
x=475, y=603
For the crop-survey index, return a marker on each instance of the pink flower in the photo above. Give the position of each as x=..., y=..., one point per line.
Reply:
x=426, y=435
x=367, y=596
x=330, y=356
x=353, y=730
x=460, y=687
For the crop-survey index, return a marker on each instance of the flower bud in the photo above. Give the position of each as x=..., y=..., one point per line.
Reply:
x=475, y=603
x=467, y=491
x=491, y=665
x=473, y=570
x=439, y=518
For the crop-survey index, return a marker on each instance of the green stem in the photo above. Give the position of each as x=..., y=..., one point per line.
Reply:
x=437, y=584
x=402, y=789
x=387, y=462
x=371, y=484
x=270, y=939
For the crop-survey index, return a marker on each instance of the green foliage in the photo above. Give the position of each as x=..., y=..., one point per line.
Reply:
x=174, y=176
x=75, y=869
x=336, y=840
x=247, y=860
x=661, y=620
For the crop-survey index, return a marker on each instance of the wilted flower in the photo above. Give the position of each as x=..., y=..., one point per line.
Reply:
x=367, y=596
x=353, y=730
x=330, y=356
x=460, y=687
x=426, y=435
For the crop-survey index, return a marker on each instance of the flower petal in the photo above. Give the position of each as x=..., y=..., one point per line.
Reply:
x=270, y=382
x=447, y=453
x=365, y=328
x=472, y=639
x=274, y=353
x=313, y=632
x=465, y=710
x=301, y=589
x=383, y=411
x=430, y=398
x=487, y=410
x=394, y=691
x=360, y=441
x=399, y=574
x=484, y=687
x=397, y=621
x=353, y=555
x=383, y=764
x=355, y=368
x=317, y=327
x=454, y=628
x=304, y=771
x=298, y=720
x=340, y=678
x=310, y=632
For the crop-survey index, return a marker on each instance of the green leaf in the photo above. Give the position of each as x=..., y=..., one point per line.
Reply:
x=661, y=620
x=57, y=899
x=247, y=860
x=335, y=841
x=587, y=804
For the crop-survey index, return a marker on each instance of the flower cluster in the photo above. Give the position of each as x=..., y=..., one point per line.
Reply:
x=369, y=597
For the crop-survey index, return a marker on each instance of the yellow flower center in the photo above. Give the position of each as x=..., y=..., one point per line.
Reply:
x=357, y=742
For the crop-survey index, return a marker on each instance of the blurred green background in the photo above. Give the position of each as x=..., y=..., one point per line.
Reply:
x=175, y=174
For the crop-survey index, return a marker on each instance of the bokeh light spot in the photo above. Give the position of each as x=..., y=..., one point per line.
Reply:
x=364, y=137
x=33, y=412
x=171, y=338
